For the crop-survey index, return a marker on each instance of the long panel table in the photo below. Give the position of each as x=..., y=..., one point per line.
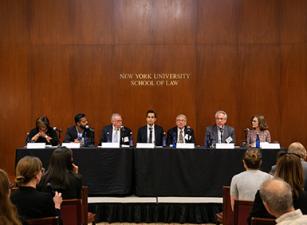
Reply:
x=156, y=172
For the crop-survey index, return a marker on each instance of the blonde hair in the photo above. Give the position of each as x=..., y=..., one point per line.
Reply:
x=27, y=168
x=8, y=211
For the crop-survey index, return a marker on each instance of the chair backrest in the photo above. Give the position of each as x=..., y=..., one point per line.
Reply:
x=263, y=221
x=241, y=211
x=71, y=212
x=227, y=211
x=44, y=221
x=74, y=211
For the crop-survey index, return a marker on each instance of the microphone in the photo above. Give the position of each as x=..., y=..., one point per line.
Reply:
x=188, y=129
x=57, y=129
x=89, y=128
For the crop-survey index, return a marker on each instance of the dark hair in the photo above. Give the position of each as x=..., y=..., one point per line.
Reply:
x=261, y=122
x=27, y=168
x=78, y=117
x=60, y=164
x=252, y=158
x=42, y=121
x=151, y=111
x=8, y=211
x=290, y=169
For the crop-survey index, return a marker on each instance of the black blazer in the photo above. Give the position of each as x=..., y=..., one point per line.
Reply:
x=172, y=135
x=211, y=137
x=71, y=190
x=71, y=135
x=31, y=203
x=50, y=132
x=142, y=135
x=107, y=133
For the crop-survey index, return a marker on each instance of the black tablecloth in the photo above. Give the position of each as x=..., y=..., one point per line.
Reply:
x=107, y=172
x=156, y=172
x=190, y=172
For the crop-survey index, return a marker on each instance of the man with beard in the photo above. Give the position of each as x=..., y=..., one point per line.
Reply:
x=80, y=132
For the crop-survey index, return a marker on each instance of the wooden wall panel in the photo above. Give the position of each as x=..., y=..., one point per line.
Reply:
x=63, y=57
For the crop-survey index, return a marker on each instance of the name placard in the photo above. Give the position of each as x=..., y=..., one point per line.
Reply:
x=145, y=145
x=225, y=146
x=71, y=145
x=109, y=145
x=266, y=145
x=185, y=145
x=36, y=145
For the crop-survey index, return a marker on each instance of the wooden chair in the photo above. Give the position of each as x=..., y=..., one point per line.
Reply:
x=72, y=212
x=262, y=221
x=227, y=211
x=88, y=216
x=241, y=211
x=44, y=221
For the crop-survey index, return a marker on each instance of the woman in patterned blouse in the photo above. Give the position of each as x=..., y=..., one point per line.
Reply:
x=260, y=128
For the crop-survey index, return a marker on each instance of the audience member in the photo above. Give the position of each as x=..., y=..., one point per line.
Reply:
x=80, y=132
x=259, y=130
x=181, y=133
x=298, y=149
x=219, y=133
x=31, y=203
x=245, y=185
x=62, y=175
x=8, y=212
x=43, y=133
x=289, y=168
x=276, y=195
x=116, y=132
x=151, y=132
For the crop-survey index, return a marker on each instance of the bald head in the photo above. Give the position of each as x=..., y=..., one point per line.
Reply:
x=276, y=195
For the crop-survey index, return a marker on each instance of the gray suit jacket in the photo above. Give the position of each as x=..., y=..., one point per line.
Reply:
x=211, y=137
x=304, y=164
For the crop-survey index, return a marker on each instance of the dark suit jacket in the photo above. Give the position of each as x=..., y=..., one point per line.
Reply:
x=31, y=203
x=188, y=135
x=71, y=135
x=304, y=165
x=50, y=132
x=211, y=137
x=142, y=135
x=70, y=190
x=107, y=133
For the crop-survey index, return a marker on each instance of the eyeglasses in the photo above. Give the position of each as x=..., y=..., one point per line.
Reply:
x=150, y=117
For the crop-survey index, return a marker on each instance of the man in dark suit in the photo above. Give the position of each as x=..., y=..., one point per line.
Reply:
x=116, y=132
x=181, y=133
x=151, y=133
x=219, y=133
x=80, y=132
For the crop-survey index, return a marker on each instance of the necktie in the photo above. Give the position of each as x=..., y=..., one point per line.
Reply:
x=221, y=132
x=115, y=140
x=150, y=135
x=180, y=136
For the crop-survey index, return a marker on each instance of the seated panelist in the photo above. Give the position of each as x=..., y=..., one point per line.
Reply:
x=220, y=132
x=43, y=133
x=151, y=132
x=81, y=132
x=116, y=132
x=181, y=133
x=260, y=129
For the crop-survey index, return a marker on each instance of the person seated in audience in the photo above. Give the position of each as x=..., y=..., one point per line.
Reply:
x=181, y=133
x=116, y=132
x=245, y=185
x=298, y=149
x=31, y=203
x=276, y=195
x=80, y=132
x=43, y=133
x=151, y=133
x=289, y=168
x=62, y=175
x=220, y=132
x=260, y=129
x=8, y=212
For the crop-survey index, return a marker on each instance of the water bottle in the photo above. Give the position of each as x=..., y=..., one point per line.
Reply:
x=164, y=140
x=174, y=140
x=257, y=141
x=131, y=140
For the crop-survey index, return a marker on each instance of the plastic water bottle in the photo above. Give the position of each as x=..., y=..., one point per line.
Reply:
x=257, y=141
x=164, y=140
x=131, y=140
x=174, y=140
